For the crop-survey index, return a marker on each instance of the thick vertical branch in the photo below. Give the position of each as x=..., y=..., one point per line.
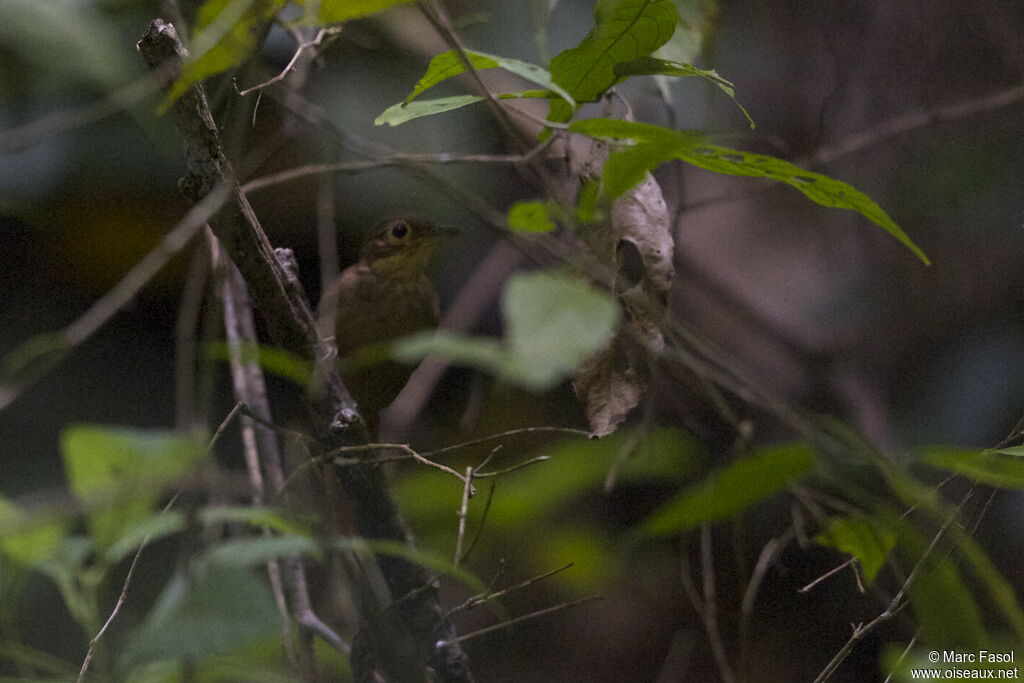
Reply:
x=291, y=326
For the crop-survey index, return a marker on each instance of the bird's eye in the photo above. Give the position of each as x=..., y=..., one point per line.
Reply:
x=400, y=230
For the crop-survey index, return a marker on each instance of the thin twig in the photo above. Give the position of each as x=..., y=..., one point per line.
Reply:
x=707, y=572
x=916, y=119
x=387, y=162
x=185, y=331
x=903, y=655
x=897, y=603
x=513, y=468
x=318, y=41
x=764, y=560
x=480, y=527
x=830, y=572
x=477, y=600
x=467, y=493
x=517, y=620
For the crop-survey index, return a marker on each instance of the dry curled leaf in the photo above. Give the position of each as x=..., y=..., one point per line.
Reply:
x=636, y=244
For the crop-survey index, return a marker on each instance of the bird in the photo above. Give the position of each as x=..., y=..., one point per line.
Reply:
x=383, y=297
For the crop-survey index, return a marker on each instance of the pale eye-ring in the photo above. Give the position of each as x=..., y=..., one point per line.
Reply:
x=400, y=230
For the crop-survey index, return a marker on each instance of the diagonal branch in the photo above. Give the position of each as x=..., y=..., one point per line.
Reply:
x=291, y=326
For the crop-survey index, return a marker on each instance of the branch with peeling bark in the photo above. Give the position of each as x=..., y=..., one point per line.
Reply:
x=291, y=326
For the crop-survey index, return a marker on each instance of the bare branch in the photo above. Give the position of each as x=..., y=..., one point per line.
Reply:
x=324, y=37
x=830, y=572
x=477, y=600
x=467, y=493
x=291, y=325
x=517, y=620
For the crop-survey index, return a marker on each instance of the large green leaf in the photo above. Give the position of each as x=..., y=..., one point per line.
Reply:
x=553, y=322
x=169, y=522
x=866, y=538
x=575, y=467
x=226, y=33
x=212, y=611
x=731, y=489
x=624, y=30
x=252, y=552
x=656, y=145
x=119, y=473
x=449, y=64
x=944, y=607
x=987, y=467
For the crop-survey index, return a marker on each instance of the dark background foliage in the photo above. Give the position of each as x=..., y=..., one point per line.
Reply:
x=821, y=305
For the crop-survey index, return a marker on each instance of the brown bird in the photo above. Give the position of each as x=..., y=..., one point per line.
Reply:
x=385, y=296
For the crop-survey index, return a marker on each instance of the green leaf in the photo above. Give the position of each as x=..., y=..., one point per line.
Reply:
x=986, y=467
x=36, y=543
x=216, y=611
x=1015, y=451
x=154, y=527
x=119, y=473
x=530, y=217
x=429, y=560
x=587, y=210
x=169, y=522
x=694, y=26
x=251, y=552
x=226, y=33
x=863, y=537
x=477, y=352
x=624, y=30
x=275, y=361
x=254, y=516
x=627, y=167
x=337, y=11
x=400, y=113
x=552, y=324
x=449, y=64
x=944, y=607
x=731, y=490
x=1002, y=592
x=650, y=66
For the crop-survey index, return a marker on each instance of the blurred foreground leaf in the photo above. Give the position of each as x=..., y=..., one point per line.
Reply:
x=731, y=489
x=205, y=614
x=553, y=322
x=1004, y=468
x=120, y=473
x=863, y=537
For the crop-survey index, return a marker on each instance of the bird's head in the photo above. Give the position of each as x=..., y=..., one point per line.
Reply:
x=401, y=247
